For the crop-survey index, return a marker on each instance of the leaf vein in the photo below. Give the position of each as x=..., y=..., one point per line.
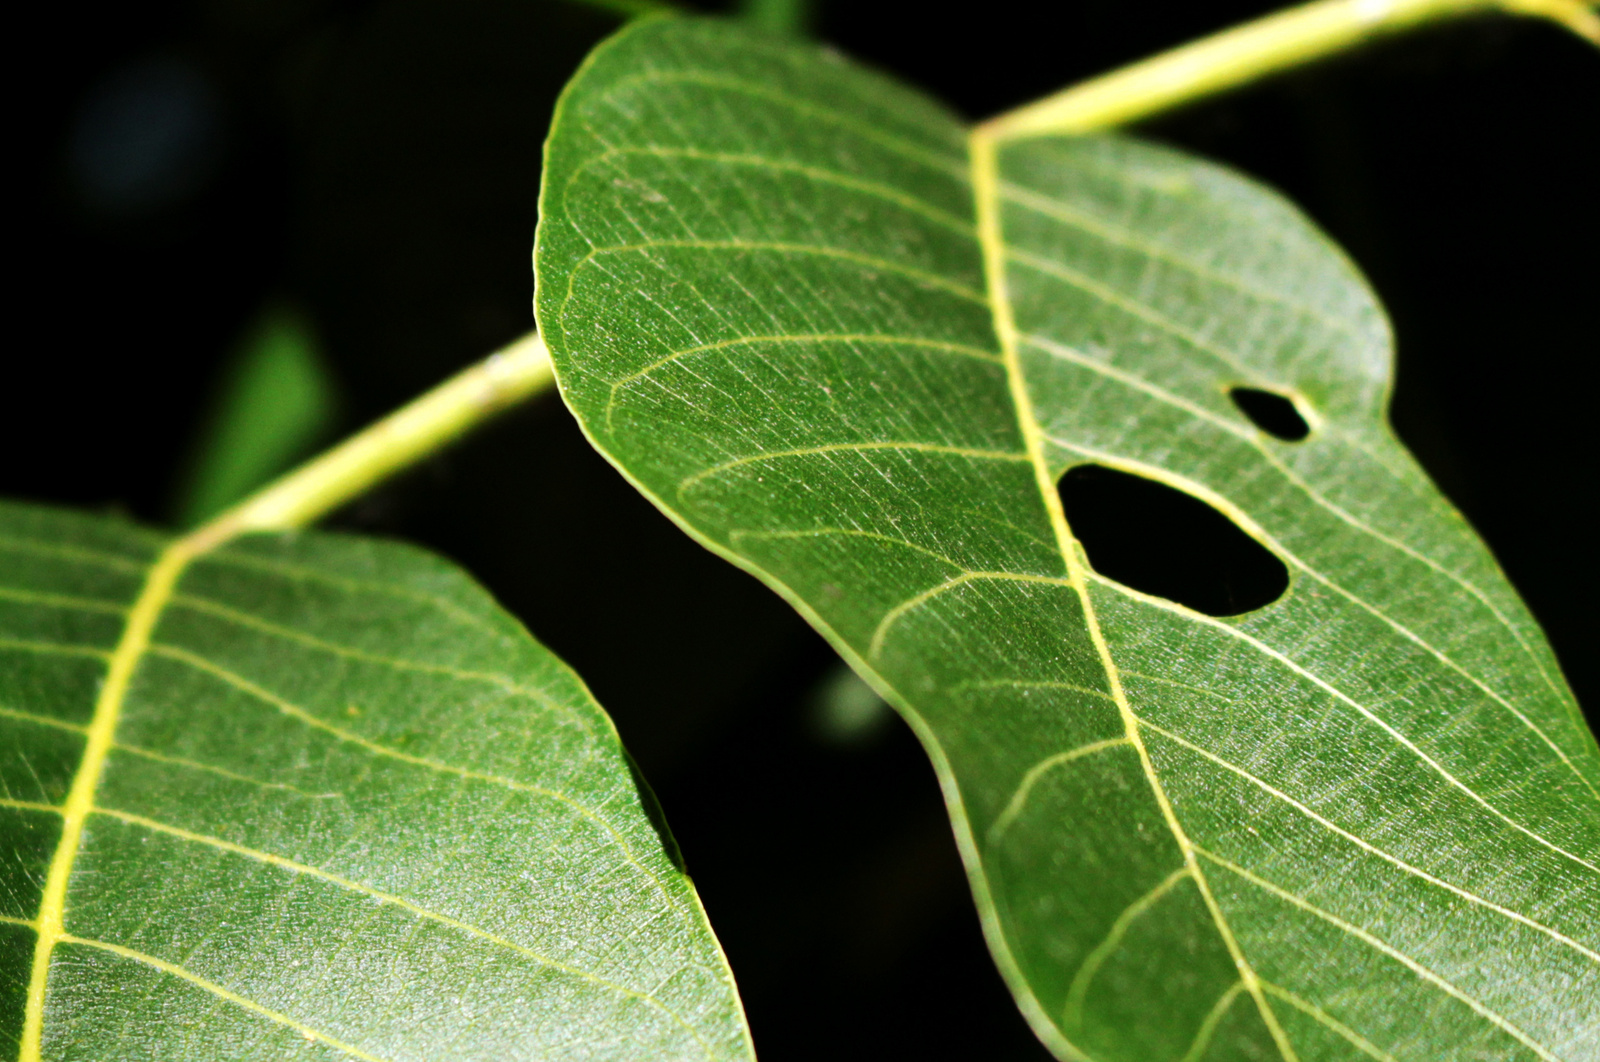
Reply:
x=1244, y=520
x=1373, y=849
x=895, y=613
x=158, y=585
x=1137, y=382
x=876, y=189
x=1213, y=1018
x=29, y=805
x=42, y=720
x=215, y=989
x=818, y=532
x=1287, y=662
x=27, y=645
x=234, y=557
x=1072, y=1013
x=949, y=166
x=1317, y=1014
x=983, y=152
x=1149, y=314
x=1394, y=953
x=311, y=641
x=221, y=772
x=294, y=711
x=1019, y=798
x=868, y=262
x=959, y=349
x=62, y=601
x=1083, y=221
x=297, y=867
x=689, y=482
x=100, y=558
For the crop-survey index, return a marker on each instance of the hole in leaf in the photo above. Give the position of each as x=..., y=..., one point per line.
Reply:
x=1161, y=541
x=1271, y=412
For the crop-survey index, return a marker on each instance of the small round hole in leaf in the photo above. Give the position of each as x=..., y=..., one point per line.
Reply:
x=1162, y=541
x=1271, y=412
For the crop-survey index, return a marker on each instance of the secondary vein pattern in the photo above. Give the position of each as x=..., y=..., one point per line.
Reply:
x=306, y=790
x=756, y=274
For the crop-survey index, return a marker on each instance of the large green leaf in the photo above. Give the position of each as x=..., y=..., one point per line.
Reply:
x=311, y=796
x=853, y=348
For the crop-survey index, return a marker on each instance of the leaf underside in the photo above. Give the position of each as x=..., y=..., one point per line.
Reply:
x=346, y=808
x=853, y=349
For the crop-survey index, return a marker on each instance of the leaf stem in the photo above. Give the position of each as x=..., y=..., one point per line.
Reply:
x=522, y=370
x=1244, y=53
x=417, y=429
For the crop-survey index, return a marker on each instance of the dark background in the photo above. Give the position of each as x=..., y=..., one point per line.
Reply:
x=378, y=163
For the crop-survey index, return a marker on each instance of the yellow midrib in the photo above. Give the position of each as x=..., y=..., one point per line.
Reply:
x=985, y=187
x=102, y=727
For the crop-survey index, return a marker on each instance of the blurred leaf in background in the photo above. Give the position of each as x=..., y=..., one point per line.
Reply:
x=847, y=712
x=794, y=17
x=275, y=403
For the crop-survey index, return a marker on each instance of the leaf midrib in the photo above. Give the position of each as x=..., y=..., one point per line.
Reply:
x=987, y=191
x=1254, y=441
x=1016, y=194
x=1295, y=561
x=131, y=646
x=983, y=151
x=1009, y=192
x=1389, y=457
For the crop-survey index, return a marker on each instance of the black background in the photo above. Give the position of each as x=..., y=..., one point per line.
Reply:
x=378, y=162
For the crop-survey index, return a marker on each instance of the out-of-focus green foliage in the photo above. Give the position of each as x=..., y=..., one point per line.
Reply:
x=276, y=402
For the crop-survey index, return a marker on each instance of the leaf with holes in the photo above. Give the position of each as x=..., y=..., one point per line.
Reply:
x=1076, y=448
x=318, y=797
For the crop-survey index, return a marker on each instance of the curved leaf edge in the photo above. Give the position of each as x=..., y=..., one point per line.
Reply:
x=158, y=577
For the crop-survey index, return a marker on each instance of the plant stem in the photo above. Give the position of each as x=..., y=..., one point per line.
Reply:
x=1185, y=74
x=412, y=432
x=1242, y=54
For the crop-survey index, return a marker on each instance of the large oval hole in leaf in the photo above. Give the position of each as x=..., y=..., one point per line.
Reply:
x=1161, y=541
x=1271, y=412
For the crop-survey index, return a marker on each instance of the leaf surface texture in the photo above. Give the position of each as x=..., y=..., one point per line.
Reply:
x=853, y=348
x=337, y=805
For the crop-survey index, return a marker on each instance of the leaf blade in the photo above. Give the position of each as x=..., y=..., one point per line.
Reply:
x=348, y=805
x=906, y=505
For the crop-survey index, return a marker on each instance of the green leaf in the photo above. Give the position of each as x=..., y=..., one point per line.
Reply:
x=853, y=348
x=791, y=17
x=276, y=401
x=318, y=797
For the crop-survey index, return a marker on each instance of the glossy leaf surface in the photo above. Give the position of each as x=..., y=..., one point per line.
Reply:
x=854, y=349
x=322, y=799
